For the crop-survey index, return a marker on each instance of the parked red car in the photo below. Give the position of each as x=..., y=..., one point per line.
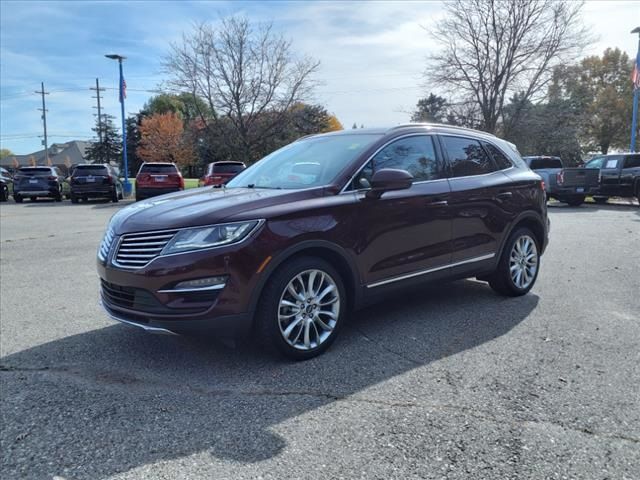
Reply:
x=157, y=179
x=219, y=173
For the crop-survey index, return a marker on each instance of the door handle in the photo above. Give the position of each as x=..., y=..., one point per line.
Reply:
x=504, y=195
x=436, y=203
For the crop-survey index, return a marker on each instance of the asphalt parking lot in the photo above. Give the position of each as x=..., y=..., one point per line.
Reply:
x=449, y=382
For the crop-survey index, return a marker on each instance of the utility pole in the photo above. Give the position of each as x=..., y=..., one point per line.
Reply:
x=97, y=97
x=44, y=121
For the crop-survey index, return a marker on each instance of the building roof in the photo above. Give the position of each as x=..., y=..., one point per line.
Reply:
x=73, y=151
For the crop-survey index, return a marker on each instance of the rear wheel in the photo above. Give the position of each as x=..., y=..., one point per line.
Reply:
x=4, y=193
x=17, y=198
x=58, y=197
x=575, y=201
x=302, y=308
x=600, y=200
x=74, y=199
x=33, y=199
x=114, y=196
x=518, y=266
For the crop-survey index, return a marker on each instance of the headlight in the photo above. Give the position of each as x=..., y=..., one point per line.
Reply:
x=207, y=237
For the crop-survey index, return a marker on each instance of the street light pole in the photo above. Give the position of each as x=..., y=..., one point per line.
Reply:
x=636, y=94
x=127, y=185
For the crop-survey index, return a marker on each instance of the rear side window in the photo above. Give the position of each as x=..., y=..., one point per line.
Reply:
x=227, y=168
x=595, y=163
x=632, y=161
x=158, y=168
x=499, y=158
x=546, y=162
x=467, y=157
x=36, y=172
x=83, y=170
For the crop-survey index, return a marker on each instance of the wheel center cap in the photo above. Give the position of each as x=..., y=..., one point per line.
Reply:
x=309, y=308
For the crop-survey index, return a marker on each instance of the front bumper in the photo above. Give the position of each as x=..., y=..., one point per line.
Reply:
x=147, y=297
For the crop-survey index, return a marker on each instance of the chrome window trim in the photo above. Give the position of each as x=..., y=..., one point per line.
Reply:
x=430, y=270
x=259, y=223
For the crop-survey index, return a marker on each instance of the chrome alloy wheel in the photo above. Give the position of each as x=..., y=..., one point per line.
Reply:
x=523, y=262
x=309, y=309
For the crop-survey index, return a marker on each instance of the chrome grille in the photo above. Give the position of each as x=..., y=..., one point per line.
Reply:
x=137, y=249
x=105, y=245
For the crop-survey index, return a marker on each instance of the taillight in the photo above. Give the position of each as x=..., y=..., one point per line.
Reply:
x=181, y=182
x=542, y=185
x=51, y=178
x=560, y=177
x=109, y=179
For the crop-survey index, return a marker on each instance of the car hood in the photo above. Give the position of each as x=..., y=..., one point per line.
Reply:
x=200, y=206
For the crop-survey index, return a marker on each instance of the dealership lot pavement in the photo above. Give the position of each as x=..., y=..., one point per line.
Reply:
x=448, y=382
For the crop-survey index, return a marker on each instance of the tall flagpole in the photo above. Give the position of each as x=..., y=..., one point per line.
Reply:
x=636, y=94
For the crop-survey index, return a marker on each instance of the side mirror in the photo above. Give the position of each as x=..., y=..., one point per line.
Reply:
x=388, y=179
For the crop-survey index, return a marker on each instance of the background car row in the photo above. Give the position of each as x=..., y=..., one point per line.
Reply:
x=604, y=176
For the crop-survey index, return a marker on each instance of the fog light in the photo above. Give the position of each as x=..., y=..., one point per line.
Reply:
x=208, y=283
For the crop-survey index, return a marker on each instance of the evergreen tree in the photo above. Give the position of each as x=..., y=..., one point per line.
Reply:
x=110, y=149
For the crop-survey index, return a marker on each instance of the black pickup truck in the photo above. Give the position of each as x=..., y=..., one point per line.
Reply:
x=568, y=185
x=619, y=175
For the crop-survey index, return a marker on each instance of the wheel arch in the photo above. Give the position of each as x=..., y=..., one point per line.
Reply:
x=533, y=222
x=337, y=256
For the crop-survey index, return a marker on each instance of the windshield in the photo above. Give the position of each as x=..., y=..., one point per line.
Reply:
x=307, y=163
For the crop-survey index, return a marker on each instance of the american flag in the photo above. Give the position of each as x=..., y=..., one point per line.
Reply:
x=123, y=90
x=635, y=75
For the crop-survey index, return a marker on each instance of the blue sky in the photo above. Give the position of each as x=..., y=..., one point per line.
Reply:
x=372, y=55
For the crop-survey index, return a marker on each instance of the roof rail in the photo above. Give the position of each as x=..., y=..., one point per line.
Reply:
x=426, y=124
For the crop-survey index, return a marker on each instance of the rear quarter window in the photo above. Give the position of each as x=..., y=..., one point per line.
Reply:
x=500, y=159
x=632, y=161
x=158, y=168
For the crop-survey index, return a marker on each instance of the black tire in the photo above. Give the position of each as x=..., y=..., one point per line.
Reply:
x=114, y=196
x=637, y=191
x=575, y=201
x=33, y=199
x=501, y=280
x=85, y=199
x=17, y=198
x=4, y=194
x=74, y=199
x=58, y=197
x=267, y=321
x=138, y=198
x=600, y=200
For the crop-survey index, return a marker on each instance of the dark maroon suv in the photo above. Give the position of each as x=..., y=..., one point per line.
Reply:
x=323, y=226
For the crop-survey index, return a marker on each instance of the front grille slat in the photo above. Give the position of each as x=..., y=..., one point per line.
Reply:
x=136, y=250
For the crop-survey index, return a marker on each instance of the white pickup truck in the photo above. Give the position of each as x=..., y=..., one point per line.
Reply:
x=568, y=185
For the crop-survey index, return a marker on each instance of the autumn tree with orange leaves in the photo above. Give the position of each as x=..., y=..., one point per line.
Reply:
x=162, y=139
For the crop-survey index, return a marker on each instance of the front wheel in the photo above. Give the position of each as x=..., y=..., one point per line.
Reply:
x=302, y=308
x=4, y=193
x=518, y=266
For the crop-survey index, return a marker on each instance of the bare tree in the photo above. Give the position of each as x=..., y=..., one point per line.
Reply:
x=492, y=49
x=246, y=74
